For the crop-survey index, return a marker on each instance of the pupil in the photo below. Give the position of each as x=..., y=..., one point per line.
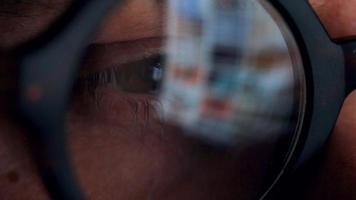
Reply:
x=155, y=76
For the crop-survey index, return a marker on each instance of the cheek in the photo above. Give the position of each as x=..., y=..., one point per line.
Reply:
x=18, y=175
x=121, y=151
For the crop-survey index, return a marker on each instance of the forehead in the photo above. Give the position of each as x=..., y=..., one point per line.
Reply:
x=24, y=19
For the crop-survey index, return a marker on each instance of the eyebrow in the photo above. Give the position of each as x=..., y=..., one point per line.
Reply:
x=28, y=8
x=43, y=3
x=15, y=8
x=30, y=2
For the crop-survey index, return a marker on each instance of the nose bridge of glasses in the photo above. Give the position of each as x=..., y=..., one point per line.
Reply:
x=349, y=49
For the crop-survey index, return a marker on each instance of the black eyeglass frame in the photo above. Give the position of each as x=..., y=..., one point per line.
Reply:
x=330, y=70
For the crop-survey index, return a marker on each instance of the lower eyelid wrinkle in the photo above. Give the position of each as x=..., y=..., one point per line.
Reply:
x=143, y=111
x=143, y=108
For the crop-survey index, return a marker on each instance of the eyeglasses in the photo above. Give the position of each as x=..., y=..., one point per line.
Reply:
x=234, y=76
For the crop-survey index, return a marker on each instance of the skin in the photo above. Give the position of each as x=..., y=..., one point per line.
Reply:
x=152, y=166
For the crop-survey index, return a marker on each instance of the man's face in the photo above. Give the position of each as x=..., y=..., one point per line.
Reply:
x=120, y=150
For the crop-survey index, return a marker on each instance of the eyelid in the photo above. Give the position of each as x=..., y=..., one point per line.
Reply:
x=101, y=56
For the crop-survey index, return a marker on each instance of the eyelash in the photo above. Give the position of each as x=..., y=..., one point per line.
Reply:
x=142, y=101
x=136, y=77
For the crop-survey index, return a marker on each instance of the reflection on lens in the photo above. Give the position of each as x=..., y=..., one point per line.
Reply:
x=231, y=77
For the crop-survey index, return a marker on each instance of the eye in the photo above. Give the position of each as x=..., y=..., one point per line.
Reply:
x=143, y=76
